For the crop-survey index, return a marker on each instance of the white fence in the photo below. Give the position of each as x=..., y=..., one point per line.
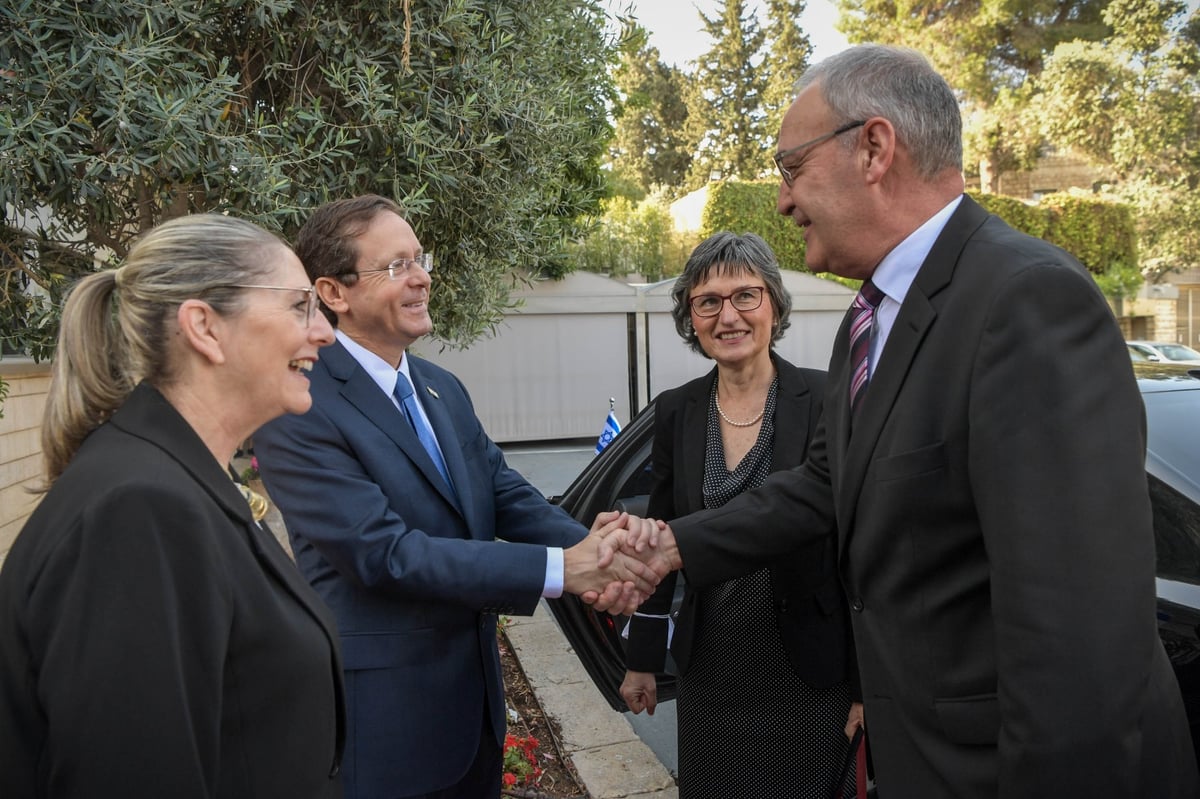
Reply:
x=555, y=361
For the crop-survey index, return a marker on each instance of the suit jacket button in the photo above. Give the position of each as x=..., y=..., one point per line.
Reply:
x=856, y=604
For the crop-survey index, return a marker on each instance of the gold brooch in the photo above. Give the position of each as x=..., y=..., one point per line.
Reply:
x=257, y=502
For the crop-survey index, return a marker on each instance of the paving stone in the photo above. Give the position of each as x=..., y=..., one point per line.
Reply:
x=622, y=770
x=554, y=669
x=545, y=656
x=668, y=793
x=584, y=718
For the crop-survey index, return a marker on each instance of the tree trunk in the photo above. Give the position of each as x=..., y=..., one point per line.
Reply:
x=989, y=178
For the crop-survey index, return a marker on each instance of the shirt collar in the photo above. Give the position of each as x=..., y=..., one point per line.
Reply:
x=898, y=269
x=379, y=370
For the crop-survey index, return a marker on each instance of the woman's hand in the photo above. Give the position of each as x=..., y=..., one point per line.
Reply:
x=640, y=691
x=854, y=720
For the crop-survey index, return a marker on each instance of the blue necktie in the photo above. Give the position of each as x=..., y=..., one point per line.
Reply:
x=408, y=403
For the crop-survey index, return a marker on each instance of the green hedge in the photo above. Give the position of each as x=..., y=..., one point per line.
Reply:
x=1101, y=235
x=1031, y=219
x=750, y=208
x=1097, y=232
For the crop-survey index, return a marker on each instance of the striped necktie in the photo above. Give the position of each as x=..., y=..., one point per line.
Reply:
x=865, y=303
x=408, y=404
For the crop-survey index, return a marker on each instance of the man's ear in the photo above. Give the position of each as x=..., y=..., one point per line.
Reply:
x=333, y=294
x=878, y=148
x=198, y=325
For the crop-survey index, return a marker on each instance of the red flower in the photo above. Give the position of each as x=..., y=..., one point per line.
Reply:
x=520, y=760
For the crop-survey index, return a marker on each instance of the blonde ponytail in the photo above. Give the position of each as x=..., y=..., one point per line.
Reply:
x=116, y=323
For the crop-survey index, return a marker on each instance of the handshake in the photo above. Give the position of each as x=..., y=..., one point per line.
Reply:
x=621, y=561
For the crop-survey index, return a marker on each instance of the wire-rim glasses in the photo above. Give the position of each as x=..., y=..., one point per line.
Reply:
x=401, y=266
x=310, y=307
x=786, y=173
x=747, y=298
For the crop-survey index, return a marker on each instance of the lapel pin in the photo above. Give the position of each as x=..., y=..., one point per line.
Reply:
x=431, y=391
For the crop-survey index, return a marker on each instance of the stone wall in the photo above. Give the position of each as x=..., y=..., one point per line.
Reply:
x=20, y=444
x=1054, y=172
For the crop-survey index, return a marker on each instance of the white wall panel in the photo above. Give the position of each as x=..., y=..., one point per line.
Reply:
x=555, y=361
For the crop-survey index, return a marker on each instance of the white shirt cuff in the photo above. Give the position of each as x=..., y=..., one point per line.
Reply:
x=553, y=587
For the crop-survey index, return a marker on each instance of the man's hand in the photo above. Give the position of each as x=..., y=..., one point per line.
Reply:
x=620, y=584
x=640, y=691
x=607, y=521
x=648, y=540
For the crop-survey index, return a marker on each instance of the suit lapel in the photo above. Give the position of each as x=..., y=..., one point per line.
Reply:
x=364, y=394
x=792, y=402
x=837, y=402
x=148, y=415
x=440, y=419
x=917, y=316
x=694, y=435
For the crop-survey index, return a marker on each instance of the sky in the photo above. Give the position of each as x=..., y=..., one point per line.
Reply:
x=676, y=30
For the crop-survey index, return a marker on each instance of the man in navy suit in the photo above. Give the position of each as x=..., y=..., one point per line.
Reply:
x=393, y=505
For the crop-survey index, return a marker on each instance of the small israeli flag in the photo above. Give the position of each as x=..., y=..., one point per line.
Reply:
x=611, y=428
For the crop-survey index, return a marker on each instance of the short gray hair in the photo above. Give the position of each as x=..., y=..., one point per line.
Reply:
x=900, y=85
x=729, y=253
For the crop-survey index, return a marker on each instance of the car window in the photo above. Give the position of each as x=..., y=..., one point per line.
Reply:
x=1173, y=466
x=1173, y=438
x=1176, y=533
x=634, y=494
x=1178, y=352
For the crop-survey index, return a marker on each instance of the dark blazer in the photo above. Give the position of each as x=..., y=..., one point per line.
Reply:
x=155, y=640
x=414, y=576
x=810, y=609
x=994, y=532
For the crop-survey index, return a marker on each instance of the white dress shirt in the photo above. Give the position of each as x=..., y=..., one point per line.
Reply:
x=897, y=271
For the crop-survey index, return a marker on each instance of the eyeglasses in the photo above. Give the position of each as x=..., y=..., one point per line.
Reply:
x=309, y=302
x=401, y=265
x=747, y=298
x=787, y=174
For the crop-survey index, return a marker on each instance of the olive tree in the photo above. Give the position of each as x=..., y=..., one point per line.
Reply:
x=486, y=118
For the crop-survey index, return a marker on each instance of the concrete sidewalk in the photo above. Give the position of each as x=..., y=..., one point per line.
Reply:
x=611, y=760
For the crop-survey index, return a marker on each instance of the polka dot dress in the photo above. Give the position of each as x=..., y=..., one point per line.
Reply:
x=748, y=726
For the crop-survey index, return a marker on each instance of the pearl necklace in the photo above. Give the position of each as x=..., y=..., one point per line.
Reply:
x=757, y=416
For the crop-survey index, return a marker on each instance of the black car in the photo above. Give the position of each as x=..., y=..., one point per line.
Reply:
x=620, y=478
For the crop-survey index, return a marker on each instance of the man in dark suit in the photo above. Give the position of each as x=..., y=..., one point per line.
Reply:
x=394, y=496
x=986, y=482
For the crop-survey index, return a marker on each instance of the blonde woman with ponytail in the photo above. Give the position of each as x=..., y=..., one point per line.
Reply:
x=154, y=639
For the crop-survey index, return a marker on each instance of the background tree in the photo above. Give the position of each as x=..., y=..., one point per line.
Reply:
x=1131, y=104
x=635, y=239
x=649, y=146
x=487, y=118
x=986, y=49
x=786, y=59
x=725, y=99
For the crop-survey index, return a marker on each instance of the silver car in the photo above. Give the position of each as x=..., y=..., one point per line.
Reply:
x=1162, y=352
